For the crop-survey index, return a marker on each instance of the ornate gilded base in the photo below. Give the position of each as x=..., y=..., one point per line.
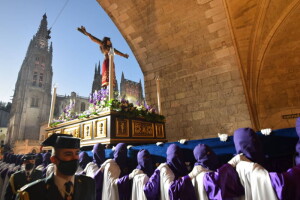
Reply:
x=112, y=128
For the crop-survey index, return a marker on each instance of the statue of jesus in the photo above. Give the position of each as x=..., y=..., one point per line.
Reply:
x=105, y=45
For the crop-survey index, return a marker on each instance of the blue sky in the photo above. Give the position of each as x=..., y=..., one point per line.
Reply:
x=74, y=55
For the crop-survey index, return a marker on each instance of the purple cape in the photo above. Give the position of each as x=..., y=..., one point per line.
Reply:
x=182, y=189
x=224, y=183
x=98, y=177
x=287, y=184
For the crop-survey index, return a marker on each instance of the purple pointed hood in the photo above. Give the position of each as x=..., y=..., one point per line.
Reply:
x=175, y=161
x=297, y=158
x=145, y=162
x=84, y=159
x=206, y=157
x=120, y=155
x=246, y=141
x=98, y=154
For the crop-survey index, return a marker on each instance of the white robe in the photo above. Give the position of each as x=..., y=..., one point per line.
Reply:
x=110, y=179
x=91, y=169
x=79, y=170
x=50, y=169
x=40, y=167
x=256, y=181
x=166, y=178
x=198, y=183
x=138, y=183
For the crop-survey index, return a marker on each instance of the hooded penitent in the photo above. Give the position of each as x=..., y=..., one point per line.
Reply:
x=98, y=154
x=175, y=161
x=120, y=156
x=145, y=162
x=84, y=159
x=206, y=157
x=46, y=159
x=246, y=141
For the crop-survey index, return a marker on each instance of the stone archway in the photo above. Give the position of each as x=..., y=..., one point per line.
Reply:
x=189, y=45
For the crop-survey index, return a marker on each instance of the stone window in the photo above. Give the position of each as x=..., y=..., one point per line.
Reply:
x=41, y=79
x=34, y=102
x=34, y=80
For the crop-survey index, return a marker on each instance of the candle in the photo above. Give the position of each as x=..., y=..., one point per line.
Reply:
x=158, y=95
x=52, y=105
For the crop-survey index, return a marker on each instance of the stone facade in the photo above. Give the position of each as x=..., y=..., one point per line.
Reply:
x=81, y=103
x=32, y=96
x=189, y=45
x=130, y=90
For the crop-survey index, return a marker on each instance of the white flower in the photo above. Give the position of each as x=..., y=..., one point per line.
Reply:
x=266, y=131
x=223, y=137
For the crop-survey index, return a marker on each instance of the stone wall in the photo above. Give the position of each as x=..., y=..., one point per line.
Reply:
x=189, y=45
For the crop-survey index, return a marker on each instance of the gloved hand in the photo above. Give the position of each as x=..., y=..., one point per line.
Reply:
x=196, y=170
x=236, y=159
x=134, y=173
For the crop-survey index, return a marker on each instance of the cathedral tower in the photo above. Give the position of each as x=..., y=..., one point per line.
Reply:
x=32, y=95
x=131, y=90
x=97, y=79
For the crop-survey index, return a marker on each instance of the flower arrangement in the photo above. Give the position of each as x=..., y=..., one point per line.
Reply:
x=68, y=113
x=99, y=103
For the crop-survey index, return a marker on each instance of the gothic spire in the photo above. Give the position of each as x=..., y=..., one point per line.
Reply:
x=96, y=71
x=122, y=77
x=42, y=34
x=99, y=72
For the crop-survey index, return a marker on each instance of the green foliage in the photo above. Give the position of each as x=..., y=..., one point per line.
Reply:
x=123, y=108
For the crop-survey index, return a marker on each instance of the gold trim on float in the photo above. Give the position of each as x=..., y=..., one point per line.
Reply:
x=72, y=130
x=159, y=129
x=109, y=141
x=87, y=131
x=100, y=128
x=142, y=129
x=122, y=127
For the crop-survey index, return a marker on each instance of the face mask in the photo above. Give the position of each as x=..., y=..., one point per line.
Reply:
x=68, y=168
x=29, y=166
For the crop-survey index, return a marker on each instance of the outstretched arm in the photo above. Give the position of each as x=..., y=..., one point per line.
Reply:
x=93, y=38
x=120, y=53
